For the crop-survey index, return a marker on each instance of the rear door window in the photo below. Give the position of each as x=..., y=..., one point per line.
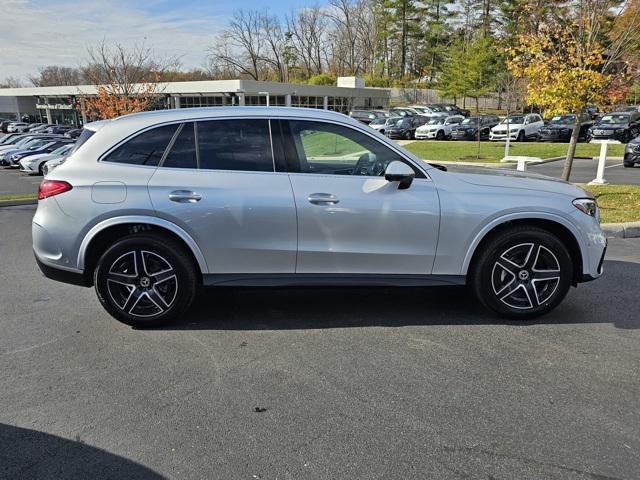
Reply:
x=242, y=144
x=146, y=148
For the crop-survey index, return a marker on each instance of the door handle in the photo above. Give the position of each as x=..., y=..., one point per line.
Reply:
x=323, y=199
x=184, y=196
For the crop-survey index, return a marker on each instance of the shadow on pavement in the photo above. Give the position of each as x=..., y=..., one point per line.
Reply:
x=612, y=298
x=28, y=454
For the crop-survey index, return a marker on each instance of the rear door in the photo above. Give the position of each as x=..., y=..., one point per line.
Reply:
x=350, y=219
x=218, y=183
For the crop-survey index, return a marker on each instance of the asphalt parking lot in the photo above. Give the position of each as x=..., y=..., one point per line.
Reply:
x=584, y=170
x=347, y=383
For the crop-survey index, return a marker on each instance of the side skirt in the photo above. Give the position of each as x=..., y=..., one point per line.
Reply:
x=328, y=280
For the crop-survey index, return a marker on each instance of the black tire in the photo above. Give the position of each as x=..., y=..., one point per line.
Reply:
x=510, y=283
x=628, y=165
x=520, y=136
x=165, y=294
x=41, y=169
x=440, y=135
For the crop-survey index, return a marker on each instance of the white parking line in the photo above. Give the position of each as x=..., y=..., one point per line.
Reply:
x=616, y=165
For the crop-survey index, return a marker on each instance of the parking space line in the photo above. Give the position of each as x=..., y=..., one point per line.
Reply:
x=616, y=165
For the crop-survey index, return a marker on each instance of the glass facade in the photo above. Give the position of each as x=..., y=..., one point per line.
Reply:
x=199, y=101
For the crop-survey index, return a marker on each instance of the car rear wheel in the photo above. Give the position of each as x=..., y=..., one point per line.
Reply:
x=522, y=273
x=440, y=135
x=520, y=136
x=145, y=280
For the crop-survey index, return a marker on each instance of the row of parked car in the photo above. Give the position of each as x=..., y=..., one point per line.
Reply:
x=10, y=126
x=456, y=124
x=34, y=153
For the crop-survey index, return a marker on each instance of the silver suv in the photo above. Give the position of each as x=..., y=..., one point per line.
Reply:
x=151, y=206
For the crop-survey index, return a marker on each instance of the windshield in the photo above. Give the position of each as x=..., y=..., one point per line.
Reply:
x=563, y=120
x=436, y=108
x=514, y=119
x=613, y=119
x=403, y=122
x=436, y=121
x=40, y=144
x=470, y=121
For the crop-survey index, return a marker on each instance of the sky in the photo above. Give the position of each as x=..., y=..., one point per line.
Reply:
x=36, y=33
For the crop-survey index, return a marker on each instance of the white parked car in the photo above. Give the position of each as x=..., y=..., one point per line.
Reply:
x=438, y=127
x=16, y=127
x=520, y=127
x=34, y=164
x=50, y=165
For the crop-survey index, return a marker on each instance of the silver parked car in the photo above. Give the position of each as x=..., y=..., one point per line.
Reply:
x=150, y=206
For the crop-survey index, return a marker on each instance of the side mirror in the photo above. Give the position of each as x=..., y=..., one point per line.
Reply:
x=398, y=171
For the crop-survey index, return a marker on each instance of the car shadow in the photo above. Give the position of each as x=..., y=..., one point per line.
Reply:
x=613, y=298
x=26, y=453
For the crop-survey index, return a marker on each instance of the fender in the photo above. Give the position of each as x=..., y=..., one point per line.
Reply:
x=110, y=222
x=526, y=216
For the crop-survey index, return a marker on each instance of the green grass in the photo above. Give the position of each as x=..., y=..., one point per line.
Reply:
x=28, y=196
x=455, y=151
x=319, y=144
x=618, y=203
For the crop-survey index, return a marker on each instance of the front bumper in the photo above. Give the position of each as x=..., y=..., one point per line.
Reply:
x=397, y=134
x=513, y=135
x=426, y=135
x=462, y=135
x=27, y=167
x=554, y=136
x=608, y=135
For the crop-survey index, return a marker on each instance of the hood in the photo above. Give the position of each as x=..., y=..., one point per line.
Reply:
x=511, y=126
x=507, y=178
x=35, y=156
x=610, y=126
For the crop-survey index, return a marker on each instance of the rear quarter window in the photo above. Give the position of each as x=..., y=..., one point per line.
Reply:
x=145, y=148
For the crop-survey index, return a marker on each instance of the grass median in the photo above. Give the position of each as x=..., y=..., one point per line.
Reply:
x=13, y=198
x=618, y=203
x=490, y=152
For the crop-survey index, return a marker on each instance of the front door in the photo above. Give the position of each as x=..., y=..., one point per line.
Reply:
x=350, y=219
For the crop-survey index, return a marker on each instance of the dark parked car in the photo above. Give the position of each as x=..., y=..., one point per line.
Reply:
x=364, y=116
x=452, y=109
x=405, y=127
x=632, y=153
x=622, y=126
x=468, y=129
x=560, y=127
x=59, y=129
x=75, y=133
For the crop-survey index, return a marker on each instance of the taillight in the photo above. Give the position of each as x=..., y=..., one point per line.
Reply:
x=49, y=188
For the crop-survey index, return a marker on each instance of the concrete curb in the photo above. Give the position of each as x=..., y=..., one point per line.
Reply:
x=621, y=230
x=15, y=203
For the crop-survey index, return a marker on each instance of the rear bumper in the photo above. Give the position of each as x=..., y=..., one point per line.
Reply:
x=73, y=277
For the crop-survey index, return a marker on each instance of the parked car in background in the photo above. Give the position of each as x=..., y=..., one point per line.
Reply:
x=50, y=165
x=632, y=153
x=453, y=109
x=34, y=164
x=630, y=108
x=438, y=128
x=59, y=129
x=521, y=127
x=405, y=127
x=468, y=128
x=10, y=137
x=47, y=146
x=364, y=116
x=134, y=213
x=41, y=128
x=16, y=127
x=621, y=126
x=23, y=145
x=403, y=112
x=429, y=110
x=20, y=141
x=560, y=128
x=74, y=133
x=380, y=123
x=4, y=124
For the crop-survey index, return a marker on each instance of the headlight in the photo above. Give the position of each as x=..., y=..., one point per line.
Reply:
x=588, y=206
x=619, y=130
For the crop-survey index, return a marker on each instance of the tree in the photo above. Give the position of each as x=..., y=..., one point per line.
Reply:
x=11, y=82
x=568, y=63
x=126, y=79
x=471, y=72
x=56, y=75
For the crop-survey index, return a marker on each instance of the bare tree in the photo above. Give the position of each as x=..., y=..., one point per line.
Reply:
x=308, y=29
x=11, y=82
x=56, y=75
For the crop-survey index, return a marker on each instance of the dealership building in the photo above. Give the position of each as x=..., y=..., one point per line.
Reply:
x=65, y=105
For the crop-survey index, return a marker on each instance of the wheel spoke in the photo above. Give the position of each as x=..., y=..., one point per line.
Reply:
x=532, y=294
x=542, y=275
x=121, y=278
x=508, y=266
x=157, y=299
x=162, y=276
x=132, y=300
x=532, y=257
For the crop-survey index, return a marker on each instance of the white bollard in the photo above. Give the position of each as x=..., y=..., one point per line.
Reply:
x=602, y=161
x=522, y=165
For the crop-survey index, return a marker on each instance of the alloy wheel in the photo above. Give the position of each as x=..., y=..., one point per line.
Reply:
x=142, y=283
x=525, y=276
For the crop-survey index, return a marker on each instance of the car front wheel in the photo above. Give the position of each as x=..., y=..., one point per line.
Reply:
x=145, y=280
x=522, y=273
